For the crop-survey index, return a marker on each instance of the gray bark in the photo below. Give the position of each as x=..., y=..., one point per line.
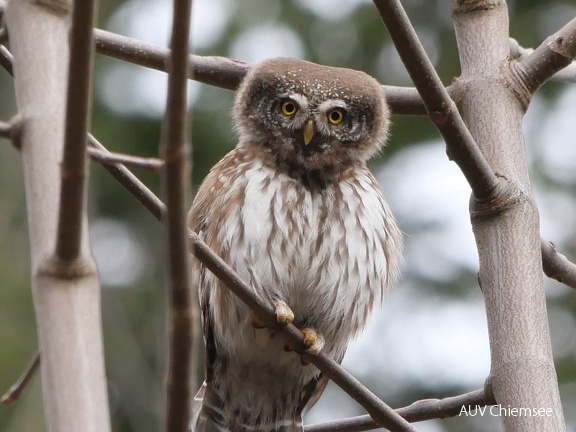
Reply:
x=66, y=294
x=507, y=230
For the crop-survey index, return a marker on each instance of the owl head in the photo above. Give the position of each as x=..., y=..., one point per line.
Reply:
x=311, y=116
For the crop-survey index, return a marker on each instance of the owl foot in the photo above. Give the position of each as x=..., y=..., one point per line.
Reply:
x=284, y=314
x=313, y=343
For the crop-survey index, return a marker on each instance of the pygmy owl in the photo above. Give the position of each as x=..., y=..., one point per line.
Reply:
x=296, y=212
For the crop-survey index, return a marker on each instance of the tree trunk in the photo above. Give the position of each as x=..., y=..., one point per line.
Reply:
x=507, y=230
x=66, y=293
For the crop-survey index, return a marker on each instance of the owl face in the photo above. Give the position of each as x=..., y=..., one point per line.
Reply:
x=311, y=116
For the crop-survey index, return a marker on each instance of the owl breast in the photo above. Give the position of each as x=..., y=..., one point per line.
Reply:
x=328, y=252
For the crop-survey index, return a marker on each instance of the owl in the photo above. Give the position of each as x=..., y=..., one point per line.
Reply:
x=296, y=212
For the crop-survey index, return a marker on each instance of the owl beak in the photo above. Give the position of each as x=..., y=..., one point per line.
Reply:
x=308, y=132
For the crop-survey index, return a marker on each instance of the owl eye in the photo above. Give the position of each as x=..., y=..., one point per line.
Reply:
x=335, y=116
x=289, y=108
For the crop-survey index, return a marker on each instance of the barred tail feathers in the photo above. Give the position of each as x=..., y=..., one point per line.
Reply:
x=208, y=416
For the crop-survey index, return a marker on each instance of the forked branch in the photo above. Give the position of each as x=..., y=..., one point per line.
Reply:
x=554, y=54
x=440, y=107
x=566, y=75
x=425, y=409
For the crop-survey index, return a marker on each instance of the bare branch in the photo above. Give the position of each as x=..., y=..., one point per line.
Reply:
x=5, y=129
x=442, y=110
x=566, y=75
x=74, y=158
x=426, y=409
x=13, y=393
x=132, y=184
x=378, y=410
x=6, y=60
x=554, y=54
x=217, y=71
x=107, y=158
x=404, y=100
x=557, y=266
x=175, y=150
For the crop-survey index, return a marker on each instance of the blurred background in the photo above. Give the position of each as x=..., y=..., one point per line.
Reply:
x=429, y=339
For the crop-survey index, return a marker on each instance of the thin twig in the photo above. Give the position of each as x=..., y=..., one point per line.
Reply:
x=6, y=60
x=175, y=150
x=5, y=129
x=132, y=184
x=566, y=75
x=426, y=409
x=107, y=158
x=441, y=109
x=13, y=393
x=74, y=158
x=378, y=410
x=557, y=266
x=554, y=54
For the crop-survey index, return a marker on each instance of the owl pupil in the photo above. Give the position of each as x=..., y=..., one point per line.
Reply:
x=289, y=108
x=335, y=117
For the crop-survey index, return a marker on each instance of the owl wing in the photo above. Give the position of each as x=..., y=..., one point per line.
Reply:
x=207, y=401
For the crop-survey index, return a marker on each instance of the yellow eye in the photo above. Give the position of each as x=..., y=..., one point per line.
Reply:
x=335, y=116
x=289, y=108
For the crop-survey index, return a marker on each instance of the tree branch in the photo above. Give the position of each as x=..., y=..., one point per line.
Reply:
x=217, y=71
x=107, y=158
x=132, y=184
x=73, y=167
x=6, y=59
x=426, y=409
x=566, y=75
x=557, y=266
x=5, y=129
x=13, y=393
x=176, y=152
x=554, y=54
x=442, y=110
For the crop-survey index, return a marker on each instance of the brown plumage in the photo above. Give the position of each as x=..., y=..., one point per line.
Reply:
x=295, y=210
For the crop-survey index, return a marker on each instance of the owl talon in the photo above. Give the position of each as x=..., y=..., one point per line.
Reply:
x=313, y=341
x=284, y=314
